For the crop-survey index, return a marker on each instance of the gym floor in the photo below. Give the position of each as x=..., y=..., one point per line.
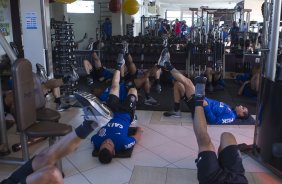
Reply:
x=167, y=144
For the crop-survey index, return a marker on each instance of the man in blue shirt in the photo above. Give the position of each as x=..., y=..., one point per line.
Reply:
x=113, y=136
x=234, y=31
x=107, y=28
x=225, y=166
x=130, y=76
x=216, y=112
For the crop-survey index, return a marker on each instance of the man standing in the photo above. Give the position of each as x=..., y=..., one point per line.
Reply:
x=107, y=29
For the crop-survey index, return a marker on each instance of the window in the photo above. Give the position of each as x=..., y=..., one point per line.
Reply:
x=172, y=15
x=187, y=16
x=81, y=7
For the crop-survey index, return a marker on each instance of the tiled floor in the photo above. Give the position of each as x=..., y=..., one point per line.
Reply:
x=166, y=143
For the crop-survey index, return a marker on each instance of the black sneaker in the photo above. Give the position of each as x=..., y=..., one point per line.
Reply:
x=176, y=114
x=62, y=107
x=157, y=88
x=93, y=108
x=90, y=81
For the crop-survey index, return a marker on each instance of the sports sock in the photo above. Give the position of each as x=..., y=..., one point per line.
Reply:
x=169, y=66
x=20, y=175
x=83, y=130
x=176, y=106
x=58, y=100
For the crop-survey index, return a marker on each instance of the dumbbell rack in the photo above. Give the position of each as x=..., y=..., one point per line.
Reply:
x=63, y=47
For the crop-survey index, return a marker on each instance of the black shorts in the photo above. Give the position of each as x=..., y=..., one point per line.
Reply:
x=248, y=91
x=227, y=168
x=127, y=106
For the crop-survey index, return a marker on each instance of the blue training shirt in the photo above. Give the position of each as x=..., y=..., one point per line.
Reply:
x=117, y=130
x=218, y=112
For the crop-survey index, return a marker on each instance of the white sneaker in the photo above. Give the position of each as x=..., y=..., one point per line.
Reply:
x=164, y=58
x=125, y=46
x=41, y=72
x=93, y=108
x=73, y=75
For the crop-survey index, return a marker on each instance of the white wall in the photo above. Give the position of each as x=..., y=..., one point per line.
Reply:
x=32, y=37
x=85, y=23
x=255, y=6
x=6, y=22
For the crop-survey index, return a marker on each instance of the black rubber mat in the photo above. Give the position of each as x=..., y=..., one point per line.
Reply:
x=166, y=102
x=228, y=96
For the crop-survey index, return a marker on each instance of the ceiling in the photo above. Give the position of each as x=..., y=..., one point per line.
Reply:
x=185, y=4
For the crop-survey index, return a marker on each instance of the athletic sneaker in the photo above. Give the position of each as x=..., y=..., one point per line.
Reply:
x=164, y=58
x=165, y=42
x=41, y=72
x=151, y=101
x=125, y=47
x=73, y=75
x=93, y=108
x=62, y=107
x=120, y=60
x=134, y=121
x=89, y=81
x=176, y=114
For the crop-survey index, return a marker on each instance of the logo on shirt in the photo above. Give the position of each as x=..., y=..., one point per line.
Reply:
x=117, y=125
x=221, y=104
x=229, y=120
x=102, y=132
x=129, y=145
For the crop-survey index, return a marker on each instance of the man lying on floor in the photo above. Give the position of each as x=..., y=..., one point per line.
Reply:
x=228, y=166
x=130, y=76
x=113, y=137
x=216, y=112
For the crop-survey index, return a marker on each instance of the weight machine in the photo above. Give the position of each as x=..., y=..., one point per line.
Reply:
x=267, y=145
x=150, y=25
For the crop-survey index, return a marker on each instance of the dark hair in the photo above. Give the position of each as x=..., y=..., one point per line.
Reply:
x=245, y=116
x=105, y=156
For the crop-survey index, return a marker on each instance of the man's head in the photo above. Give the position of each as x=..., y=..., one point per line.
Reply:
x=242, y=112
x=107, y=151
